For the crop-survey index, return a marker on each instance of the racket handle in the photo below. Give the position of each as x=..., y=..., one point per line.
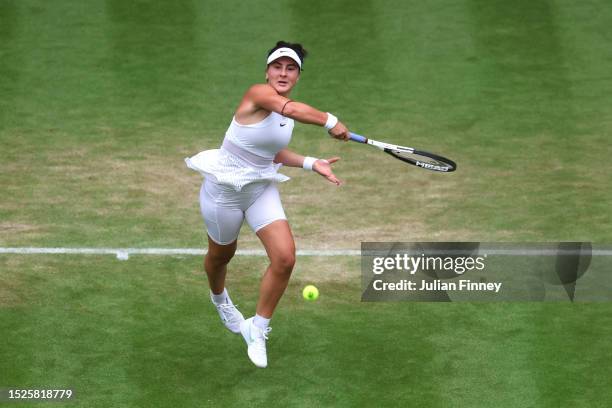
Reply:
x=358, y=138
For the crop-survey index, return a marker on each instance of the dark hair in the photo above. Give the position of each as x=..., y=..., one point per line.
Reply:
x=299, y=50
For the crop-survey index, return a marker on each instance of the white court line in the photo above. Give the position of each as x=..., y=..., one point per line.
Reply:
x=124, y=253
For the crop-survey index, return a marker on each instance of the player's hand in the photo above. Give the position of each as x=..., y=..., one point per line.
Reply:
x=340, y=132
x=323, y=167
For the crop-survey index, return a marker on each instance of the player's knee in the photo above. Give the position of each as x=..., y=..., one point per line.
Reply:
x=284, y=262
x=219, y=258
x=217, y=261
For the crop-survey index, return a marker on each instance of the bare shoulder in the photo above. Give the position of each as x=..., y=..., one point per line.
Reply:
x=261, y=97
x=251, y=109
x=261, y=89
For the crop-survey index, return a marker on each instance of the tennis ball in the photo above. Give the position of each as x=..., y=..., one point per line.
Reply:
x=310, y=292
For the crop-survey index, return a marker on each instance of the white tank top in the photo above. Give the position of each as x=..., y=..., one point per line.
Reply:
x=265, y=138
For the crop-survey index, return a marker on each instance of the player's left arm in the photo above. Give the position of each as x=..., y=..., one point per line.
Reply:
x=321, y=166
x=289, y=158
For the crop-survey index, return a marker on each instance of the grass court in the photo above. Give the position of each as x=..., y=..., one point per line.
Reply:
x=101, y=101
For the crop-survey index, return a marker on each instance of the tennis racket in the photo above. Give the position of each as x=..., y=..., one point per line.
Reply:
x=419, y=158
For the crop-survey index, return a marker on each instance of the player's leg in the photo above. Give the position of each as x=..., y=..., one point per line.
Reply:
x=223, y=225
x=215, y=264
x=267, y=218
x=280, y=247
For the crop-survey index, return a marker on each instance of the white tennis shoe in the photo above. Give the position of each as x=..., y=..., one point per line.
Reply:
x=230, y=316
x=256, y=341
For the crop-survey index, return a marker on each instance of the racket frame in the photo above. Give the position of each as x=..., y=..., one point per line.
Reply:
x=391, y=148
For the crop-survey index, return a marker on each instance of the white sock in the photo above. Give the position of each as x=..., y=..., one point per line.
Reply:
x=222, y=297
x=261, y=322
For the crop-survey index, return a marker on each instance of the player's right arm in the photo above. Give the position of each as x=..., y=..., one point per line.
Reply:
x=263, y=96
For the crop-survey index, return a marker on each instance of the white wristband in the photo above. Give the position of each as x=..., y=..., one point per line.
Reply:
x=331, y=121
x=308, y=162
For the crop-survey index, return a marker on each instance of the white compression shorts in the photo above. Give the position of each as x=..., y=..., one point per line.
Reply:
x=224, y=209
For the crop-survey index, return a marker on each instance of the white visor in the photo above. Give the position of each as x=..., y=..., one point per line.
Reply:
x=285, y=52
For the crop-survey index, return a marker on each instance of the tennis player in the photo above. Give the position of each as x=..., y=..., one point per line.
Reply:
x=240, y=183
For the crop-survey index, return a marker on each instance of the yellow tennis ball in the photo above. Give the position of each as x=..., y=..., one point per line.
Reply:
x=310, y=292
